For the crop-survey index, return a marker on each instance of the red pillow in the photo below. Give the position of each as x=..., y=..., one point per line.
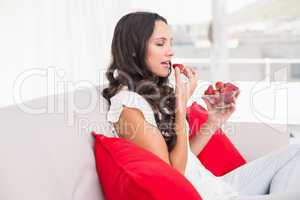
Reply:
x=129, y=172
x=219, y=155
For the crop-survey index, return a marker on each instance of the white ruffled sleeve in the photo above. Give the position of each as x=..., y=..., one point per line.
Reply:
x=129, y=99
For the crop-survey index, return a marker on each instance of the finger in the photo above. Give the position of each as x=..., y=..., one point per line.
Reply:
x=195, y=75
x=194, y=71
x=187, y=72
x=177, y=78
x=234, y=99
x=208, y=104
x=177, y=74
x=237, y=93
x=231, y=108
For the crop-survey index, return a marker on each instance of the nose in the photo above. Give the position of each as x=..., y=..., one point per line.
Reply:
x=169, y=51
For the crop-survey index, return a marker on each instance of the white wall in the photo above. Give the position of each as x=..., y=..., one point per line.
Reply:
x=54, y=45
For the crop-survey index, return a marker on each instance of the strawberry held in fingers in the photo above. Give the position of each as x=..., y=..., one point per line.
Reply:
x=185, y=70
x=180, y=66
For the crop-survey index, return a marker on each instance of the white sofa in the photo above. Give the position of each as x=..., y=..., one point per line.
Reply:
x=46, y=148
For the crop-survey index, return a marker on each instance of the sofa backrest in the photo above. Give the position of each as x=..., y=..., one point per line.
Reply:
x=257, y=139
x=46, y=148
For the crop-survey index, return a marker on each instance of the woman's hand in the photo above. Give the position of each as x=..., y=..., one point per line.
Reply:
x=184, y=91
x=218, y=116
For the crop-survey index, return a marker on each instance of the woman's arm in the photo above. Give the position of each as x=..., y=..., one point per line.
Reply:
x=183, y=91
x=201, y=138
x=178, y=156
x=133, y=127
x=216, y=118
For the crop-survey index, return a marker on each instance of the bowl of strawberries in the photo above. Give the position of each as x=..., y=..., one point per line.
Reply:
x=221, y=95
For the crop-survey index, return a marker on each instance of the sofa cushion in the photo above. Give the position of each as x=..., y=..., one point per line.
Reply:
x=219, y=155
x=129, y=172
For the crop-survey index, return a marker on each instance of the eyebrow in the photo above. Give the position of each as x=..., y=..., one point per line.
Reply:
x=162, y=38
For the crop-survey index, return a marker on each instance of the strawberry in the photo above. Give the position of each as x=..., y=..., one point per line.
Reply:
x=237, y=93
x=211, y=95
x=210, y=90
x=219, y=85
x=228, y=96
x=223, y=93
x=222, y=90
x=180, y=66
x=230, y=91
x=231, y=86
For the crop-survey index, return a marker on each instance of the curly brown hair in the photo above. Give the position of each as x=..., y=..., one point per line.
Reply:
x=128, y=49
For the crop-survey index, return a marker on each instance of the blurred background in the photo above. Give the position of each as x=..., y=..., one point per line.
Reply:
x=54, y=46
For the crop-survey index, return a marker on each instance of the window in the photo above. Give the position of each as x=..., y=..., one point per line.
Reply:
x=261, y=40
x=265, y=29
x=295, y=71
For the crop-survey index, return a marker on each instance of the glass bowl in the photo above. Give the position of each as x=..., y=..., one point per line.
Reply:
x=222, y=100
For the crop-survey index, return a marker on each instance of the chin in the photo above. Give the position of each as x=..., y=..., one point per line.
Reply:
x=163, y=75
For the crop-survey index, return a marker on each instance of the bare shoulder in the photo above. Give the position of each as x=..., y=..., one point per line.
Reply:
x=133, y=127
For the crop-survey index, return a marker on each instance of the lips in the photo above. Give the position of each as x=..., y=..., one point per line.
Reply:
x=166, y=64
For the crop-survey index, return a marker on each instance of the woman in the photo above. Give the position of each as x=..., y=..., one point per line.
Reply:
x=146, y=110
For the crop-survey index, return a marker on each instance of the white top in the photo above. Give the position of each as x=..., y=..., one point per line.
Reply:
x=209, y=186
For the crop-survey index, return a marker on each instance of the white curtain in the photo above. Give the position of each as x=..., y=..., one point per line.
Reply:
x=46, y=44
